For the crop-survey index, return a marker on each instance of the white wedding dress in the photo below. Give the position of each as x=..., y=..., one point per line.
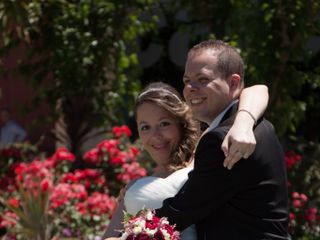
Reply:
x=149, y=192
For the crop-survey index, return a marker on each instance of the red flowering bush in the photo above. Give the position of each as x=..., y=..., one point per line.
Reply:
x=304, y=217
x=117, y=158
x=44, y=199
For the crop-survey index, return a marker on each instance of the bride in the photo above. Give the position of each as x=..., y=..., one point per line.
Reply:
x=169, y=134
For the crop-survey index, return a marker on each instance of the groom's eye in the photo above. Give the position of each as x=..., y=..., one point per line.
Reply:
x=186, y=81
x=203, y=80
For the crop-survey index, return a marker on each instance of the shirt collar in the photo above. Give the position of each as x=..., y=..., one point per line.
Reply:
x=217, y=120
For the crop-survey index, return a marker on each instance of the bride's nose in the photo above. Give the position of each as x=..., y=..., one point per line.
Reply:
x=157, y=133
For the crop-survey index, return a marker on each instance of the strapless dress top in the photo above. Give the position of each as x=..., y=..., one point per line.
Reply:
x=149, y=192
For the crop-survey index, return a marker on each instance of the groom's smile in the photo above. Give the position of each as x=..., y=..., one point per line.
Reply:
x=205, y=91
x=196, y=101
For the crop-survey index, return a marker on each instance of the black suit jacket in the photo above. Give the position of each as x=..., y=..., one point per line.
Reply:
x=248, y=202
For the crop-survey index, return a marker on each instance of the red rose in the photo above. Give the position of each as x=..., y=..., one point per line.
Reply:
x=131, y=237
x=119, y=131
x=107, y=145
x=61, y=154
x=142, y=236
x=169, y=229
x=91, y=156
x=291, y=159
x=159, y=235
x=13, y=202
x=134, y=150
x=151, y=224
x=45, y=185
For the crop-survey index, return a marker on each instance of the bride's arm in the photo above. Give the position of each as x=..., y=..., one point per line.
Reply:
x=116, y=222
x=240, y=141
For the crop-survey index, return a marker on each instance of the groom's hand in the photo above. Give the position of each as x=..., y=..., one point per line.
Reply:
x=239, y=141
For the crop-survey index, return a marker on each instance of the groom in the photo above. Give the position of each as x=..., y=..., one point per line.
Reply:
x=249, y=202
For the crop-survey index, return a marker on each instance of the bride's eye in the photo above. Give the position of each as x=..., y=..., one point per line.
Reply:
x=165, y=123
x=144, y=128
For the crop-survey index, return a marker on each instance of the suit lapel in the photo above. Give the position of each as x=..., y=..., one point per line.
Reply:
x=230, y=115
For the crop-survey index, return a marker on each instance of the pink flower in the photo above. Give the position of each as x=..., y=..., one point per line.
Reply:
x=99, y=203
x=296, y=203
x=292, y=216
x=303, y=197
x=8, y=220
x=295, y=195
x=65, y=193
x=131, y=171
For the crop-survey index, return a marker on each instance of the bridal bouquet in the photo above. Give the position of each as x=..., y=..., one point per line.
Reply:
x=145, y=225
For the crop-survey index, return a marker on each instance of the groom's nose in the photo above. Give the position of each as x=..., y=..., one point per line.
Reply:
x=192, y=86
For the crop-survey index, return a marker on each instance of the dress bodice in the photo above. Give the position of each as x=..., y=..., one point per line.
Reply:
x=149, y=192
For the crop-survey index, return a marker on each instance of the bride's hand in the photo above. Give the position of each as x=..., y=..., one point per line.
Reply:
x=239, y=141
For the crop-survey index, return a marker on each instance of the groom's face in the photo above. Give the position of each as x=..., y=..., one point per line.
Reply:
x=205, y=91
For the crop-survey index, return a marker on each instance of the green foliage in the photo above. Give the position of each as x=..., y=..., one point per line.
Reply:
x=273, y=37
x=33, y=214
x=277, y=53
x=304, y=197
x=78, y=58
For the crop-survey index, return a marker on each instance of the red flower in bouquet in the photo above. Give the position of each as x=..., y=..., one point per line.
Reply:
x=146, y=226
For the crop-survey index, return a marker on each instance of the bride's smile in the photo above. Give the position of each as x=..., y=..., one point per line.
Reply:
x=159, y=132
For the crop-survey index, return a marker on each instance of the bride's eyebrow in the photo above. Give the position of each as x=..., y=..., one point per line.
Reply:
x=164, y=118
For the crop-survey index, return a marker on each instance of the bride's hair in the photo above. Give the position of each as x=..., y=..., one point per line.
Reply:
x=166, y=97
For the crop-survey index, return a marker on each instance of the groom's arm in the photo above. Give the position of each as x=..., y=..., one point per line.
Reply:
x=210, y=185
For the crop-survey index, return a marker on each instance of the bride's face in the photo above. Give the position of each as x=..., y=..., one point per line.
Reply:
x=159, y=132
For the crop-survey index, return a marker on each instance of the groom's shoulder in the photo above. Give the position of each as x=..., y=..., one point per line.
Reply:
x=214, y=135
x=264, y=124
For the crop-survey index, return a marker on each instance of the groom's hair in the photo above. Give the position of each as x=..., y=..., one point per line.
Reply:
x=229, y=60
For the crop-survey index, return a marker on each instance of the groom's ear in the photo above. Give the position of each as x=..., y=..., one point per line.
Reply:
x=234, y=82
